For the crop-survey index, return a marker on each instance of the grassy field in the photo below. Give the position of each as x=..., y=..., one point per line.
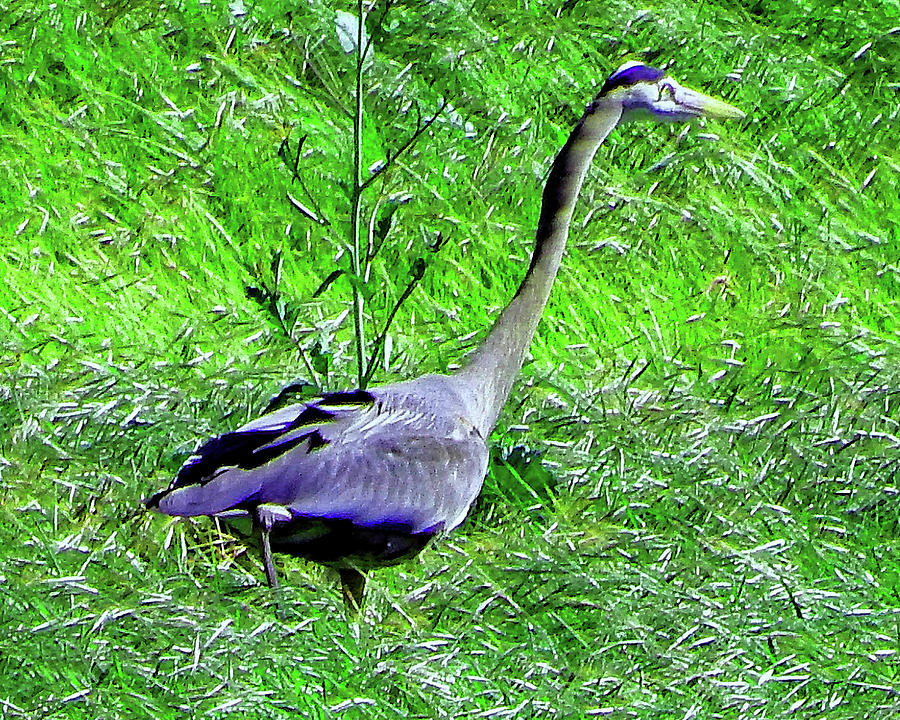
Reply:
x=694, y=505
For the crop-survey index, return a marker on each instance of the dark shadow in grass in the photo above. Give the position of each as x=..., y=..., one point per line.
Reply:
x=517, y=481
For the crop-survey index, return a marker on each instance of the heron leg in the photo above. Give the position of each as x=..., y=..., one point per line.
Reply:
x=271, y=575
x=353, y=588
x=267, y=515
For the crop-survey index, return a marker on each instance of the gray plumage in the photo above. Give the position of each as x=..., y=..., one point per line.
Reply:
x=416, y=429
x=364, y=479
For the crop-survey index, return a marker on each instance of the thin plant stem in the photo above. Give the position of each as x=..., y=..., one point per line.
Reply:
x=413, y=139
x=355, y=214
x=417, y=275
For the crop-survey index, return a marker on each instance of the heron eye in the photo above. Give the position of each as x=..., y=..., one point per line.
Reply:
x=666, y=90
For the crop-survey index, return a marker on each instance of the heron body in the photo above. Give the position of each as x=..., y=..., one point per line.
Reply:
x=364, y=479
x=310, y=468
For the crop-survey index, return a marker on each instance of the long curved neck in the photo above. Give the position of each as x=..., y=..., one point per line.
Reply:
x=490, y=373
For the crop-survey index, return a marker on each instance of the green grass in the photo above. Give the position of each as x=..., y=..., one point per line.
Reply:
x=714, y=389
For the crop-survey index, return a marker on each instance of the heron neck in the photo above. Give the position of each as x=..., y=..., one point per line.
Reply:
x=492, y=369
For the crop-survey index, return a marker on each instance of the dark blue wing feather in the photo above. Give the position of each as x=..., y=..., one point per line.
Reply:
x=262, y=440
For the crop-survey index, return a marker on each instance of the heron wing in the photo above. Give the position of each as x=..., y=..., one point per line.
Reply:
x=360, y=457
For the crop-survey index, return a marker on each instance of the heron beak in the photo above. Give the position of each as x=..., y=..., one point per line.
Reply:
x=699, y=104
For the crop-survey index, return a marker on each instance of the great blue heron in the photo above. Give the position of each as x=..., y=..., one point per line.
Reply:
x=363, y=479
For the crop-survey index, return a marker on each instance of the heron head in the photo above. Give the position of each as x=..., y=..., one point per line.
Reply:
x=642, y=90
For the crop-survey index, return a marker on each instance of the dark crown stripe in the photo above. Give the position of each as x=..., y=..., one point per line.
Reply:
x=630, y=76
